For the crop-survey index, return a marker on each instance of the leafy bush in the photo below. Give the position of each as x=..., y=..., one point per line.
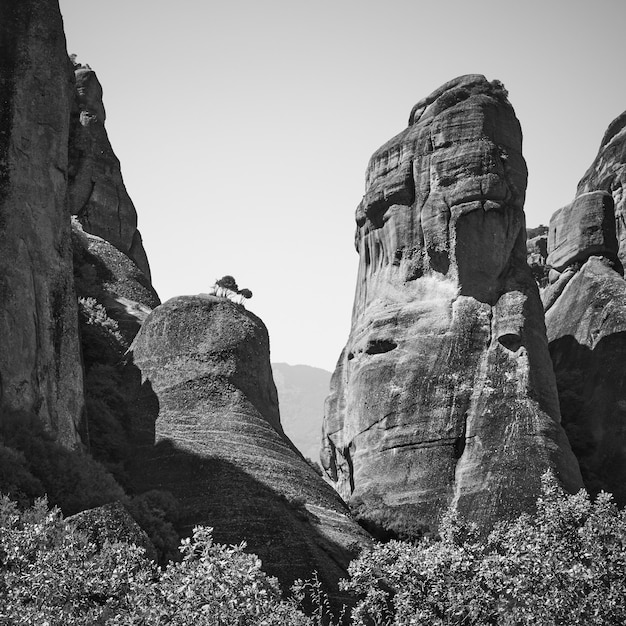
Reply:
x=565, y=565
x=214, y=584
x=51, y=574
x=101, y=339
x=156, y=512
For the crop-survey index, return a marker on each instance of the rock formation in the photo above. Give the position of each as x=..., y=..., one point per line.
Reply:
x=210, y=433
x=585, y=307
x=40, y=369
x=608, y=173
x=103, y=272
x=97, y=193
x=444, y=394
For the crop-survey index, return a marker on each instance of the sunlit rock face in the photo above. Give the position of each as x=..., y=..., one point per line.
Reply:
x=585, y=307
x=208, y=429
x=40, y=365
x=608, y=173
x=444, y=394
x=97, y=193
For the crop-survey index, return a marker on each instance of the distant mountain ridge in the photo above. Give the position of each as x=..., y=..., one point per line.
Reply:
x=302, y=391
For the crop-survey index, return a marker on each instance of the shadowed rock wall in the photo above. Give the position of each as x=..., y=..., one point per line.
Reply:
x=444, y=394
x=97, y=193
x=585, y=307
x=40, y=368
x=209, y=431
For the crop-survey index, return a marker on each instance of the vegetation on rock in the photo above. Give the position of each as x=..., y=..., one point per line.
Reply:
x=564, y=565
x=226, y=287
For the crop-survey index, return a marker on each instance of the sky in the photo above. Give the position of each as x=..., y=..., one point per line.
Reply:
x=244, y=127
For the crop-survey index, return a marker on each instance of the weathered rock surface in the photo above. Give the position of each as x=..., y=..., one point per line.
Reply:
x=581, y=229
x=40, y=370
x=608, y=173
x=111, y=523
x=585, y=306
x=97, y=193
x=210, y=433
x=444, y=394
x=102, y=271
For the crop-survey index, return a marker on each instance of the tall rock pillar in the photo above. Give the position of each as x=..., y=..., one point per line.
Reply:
x=444, y=394
x=585, y=305
x=40, y=370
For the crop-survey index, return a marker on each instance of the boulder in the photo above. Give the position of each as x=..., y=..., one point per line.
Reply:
x=208, y=430
x=444, y=395
x=111, y=523
x=40, y=367
x=97, y=194
x=581, y=229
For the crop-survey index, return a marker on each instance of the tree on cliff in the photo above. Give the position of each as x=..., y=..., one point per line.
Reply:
x=226, y=287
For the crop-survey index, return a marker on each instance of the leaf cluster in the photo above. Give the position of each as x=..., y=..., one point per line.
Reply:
x=564, y=565
x=51, y=574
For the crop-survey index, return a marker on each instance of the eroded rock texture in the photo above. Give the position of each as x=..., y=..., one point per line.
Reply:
x=40, y=369
x=444, y=394
x=586, y=316
x=98, y=196
x=210, y=433
x=103, y=272
x=608, y=173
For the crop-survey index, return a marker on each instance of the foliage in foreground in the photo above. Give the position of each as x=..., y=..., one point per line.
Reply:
x=564, y=565
x=50, y=574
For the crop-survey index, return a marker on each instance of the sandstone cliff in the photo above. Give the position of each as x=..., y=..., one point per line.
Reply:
x=444, y=394
x=586, y=316
x=97, y=194
x=40, y=368
x=608, y=173
x=209, y=431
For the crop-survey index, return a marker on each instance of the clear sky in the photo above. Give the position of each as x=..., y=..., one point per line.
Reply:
x=244, y=127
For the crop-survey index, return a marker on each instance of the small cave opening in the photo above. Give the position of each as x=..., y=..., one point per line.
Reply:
x=511, y=341
x=380, y=346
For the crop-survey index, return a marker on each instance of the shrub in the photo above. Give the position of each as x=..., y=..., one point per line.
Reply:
x=214, y=584
x=52, y=575
x=564, y=565
x=100, y=336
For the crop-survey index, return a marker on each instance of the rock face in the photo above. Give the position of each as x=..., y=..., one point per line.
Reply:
x=102, y=271
x=584, y=228
x=444, y=394
x=40, y=370
x=97, y=193
x=608, y=173
x=586, y=316
x=210, y=433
